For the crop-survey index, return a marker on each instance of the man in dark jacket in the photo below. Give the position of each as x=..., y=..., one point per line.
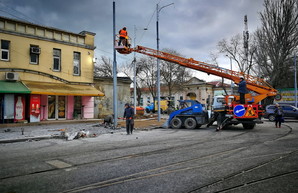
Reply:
x=129, y=115
x=242, y=90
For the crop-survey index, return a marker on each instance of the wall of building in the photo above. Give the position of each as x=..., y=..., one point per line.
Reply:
x=104, y=105
x=20, y=58
x=22, y=36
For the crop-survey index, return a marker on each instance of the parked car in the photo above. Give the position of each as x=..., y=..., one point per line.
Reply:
x=289, y=111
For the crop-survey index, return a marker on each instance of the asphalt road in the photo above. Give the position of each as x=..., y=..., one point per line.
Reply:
x=264, y=159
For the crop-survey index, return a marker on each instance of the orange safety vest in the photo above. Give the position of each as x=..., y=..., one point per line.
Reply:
x=123, y=33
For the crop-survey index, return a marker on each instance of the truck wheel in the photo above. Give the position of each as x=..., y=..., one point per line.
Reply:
x=176, y=123
x=271, y=117
x=248, y=125
x=190, y=123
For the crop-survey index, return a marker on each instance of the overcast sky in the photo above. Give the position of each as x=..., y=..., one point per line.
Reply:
x=191, y=27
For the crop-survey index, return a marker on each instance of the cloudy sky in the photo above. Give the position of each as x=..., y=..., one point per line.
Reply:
x=191, y=27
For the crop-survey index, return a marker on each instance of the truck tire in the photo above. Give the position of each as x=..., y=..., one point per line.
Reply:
x=248, y=125
x=176, y=123
x=190, y=123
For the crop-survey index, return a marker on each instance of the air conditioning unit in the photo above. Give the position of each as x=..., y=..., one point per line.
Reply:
x=11, y=76
x=35, y=50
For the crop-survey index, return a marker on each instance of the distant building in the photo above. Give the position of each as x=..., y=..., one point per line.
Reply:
x=45, y=73
x=194, y=89
x=104, y=105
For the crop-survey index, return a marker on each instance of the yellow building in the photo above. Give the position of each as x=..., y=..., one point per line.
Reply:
x=45, y=73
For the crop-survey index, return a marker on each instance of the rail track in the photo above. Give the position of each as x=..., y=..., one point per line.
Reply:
x=180, y=166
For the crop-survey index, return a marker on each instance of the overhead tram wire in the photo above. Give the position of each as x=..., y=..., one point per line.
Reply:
x=147, y=26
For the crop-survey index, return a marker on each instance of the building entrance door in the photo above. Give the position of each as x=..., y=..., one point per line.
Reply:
x=56, y=107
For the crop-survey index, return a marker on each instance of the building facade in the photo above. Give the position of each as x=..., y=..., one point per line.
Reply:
x=45, y=73
x=103, y=106
x=194, y=89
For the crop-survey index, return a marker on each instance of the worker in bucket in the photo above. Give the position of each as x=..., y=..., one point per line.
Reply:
x=129, y=115
x=123, y=36
x=242, y=90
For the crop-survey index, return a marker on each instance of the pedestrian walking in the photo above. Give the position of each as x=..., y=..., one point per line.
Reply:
x=129, y=115
x=242, y=90
x=279, y=113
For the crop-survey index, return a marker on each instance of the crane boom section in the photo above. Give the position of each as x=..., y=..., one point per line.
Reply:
x=255, y=84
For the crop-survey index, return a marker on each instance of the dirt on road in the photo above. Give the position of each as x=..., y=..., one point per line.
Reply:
x=144, y=124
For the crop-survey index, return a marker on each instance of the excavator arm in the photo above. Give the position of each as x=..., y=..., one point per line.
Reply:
x=255, y=84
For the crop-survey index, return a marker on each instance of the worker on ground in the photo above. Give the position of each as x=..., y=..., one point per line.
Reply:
x=242, y=90
x=129, y=115
x=108, y=121
x=278, y=115
x=123, y=36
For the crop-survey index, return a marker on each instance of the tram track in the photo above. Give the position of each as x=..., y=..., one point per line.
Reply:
x=124, y=157
x=158, y=171
x=164, y=170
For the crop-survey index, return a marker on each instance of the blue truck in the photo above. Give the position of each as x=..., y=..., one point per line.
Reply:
x=191, y=114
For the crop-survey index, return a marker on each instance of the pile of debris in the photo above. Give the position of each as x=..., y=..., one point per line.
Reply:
x=69, y=136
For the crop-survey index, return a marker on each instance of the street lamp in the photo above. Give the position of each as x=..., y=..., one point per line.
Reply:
x=231, y=73
x=158, y=70
x=135, y=72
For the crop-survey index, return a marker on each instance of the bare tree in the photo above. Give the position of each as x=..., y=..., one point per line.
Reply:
x=173, y=75
x=146, y=75
x=128, y=69
x=104, y=68
x=277, y=39
x=234, y=49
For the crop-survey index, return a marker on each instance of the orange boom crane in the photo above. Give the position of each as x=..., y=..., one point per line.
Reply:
x=251, y=111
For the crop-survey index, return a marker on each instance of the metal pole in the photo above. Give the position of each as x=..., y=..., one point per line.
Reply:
x=157, y=64
x=134, y=73
x=158, y=70
x=295, y=80
x=231, y=75
x=115, y=106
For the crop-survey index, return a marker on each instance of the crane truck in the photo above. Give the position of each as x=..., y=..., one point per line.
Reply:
x=229, y=111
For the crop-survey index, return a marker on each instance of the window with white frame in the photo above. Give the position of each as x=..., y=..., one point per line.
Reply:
x=56, y=59
x=34, y=54
x=76, y=63
x=5, y=50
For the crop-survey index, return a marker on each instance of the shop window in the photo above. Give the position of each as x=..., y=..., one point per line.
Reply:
x=56, y=107
x=77, y=113
x=5, y=50
x=56, y=59
x=34, y=54
x=76, y=63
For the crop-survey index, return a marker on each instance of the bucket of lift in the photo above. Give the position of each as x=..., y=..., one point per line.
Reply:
x=123, y=48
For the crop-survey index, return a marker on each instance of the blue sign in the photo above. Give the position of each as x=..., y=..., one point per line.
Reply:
x=239, y=110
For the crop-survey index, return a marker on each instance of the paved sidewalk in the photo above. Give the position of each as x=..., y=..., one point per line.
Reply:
x=10, y=133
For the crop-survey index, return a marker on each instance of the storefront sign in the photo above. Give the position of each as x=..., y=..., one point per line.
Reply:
x=34, y=108
x=19, y=108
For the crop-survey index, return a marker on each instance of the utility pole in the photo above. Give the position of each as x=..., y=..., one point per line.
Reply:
x=115, y=106
x=158, y=70
x=245, y=39
x=134, y=71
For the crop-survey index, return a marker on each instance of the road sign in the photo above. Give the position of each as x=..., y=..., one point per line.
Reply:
x=239, y=110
